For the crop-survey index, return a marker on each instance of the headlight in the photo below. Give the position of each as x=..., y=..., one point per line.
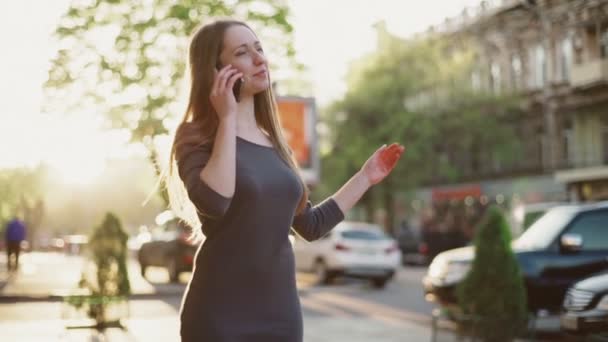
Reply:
x=603, y=304
x=457, y=271
x=448, y=272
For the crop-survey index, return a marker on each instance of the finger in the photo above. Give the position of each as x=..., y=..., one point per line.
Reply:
x=380, y=148
x=390, y=157
x=222, y=86
x=393, y=147
x=232, y=80
x=217, y=75
x=397, y=157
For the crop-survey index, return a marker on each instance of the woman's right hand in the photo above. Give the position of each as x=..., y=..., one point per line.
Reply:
x=222, y=97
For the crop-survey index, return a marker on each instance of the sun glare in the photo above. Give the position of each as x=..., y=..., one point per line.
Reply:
x=77, y=172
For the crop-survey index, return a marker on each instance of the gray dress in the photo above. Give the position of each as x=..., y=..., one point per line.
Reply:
x=243, y=287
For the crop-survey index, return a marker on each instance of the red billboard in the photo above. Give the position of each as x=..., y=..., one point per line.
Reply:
x=298, y=119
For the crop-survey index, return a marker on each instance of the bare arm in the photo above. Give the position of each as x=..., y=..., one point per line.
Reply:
x=220, y=171
x=350, y=193
x=314, y=222
x=376, y=168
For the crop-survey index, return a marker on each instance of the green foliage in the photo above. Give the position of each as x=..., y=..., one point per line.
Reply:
x=126, y=59
x=493, y=291
x=108, y=250
x=418, y=93
x=21, y=192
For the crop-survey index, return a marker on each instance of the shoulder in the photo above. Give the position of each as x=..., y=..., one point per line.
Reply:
x=192, y=156
x=188, y=140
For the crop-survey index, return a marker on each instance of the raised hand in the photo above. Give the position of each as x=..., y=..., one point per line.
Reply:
x=382, y=162
x=222, y=97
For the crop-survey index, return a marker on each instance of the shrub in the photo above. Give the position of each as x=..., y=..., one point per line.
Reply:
x=108, y=250
x=493, y=292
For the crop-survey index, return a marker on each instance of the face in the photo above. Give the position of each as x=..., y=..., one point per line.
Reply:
x=244, y=52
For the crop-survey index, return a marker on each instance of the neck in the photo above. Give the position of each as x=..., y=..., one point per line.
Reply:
x=246, y=118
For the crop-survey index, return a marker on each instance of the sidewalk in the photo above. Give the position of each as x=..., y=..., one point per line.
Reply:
x=316, y=329
x=50, y=276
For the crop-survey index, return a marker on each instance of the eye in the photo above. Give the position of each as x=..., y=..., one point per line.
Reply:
x=260, y=49
x=240, y=53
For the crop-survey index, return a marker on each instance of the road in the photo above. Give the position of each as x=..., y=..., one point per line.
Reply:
x=349, y=310
x=347, y=306
x=58, y=274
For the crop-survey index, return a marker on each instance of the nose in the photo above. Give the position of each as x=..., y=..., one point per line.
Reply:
x=258, y=58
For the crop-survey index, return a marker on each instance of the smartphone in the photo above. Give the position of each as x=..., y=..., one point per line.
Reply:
x=236, y=89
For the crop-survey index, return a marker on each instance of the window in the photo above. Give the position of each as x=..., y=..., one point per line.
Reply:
x=604, y=42
x=516, y=70
x=364, y=235
x=475, y=80
x=546, y=228
x=539, y=66
x=577, y=45
x=568, y=143
x=539, y=156
x=605, y=139
x=566, y=58
x=593, y=228
x=495, y=80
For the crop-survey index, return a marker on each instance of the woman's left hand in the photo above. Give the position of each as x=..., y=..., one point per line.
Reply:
x=381, y=163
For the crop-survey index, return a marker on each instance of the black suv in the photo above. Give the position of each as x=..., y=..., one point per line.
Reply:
x=566, y=244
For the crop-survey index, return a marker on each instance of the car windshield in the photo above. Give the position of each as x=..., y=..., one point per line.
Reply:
x=542, y=232
x=369, y=234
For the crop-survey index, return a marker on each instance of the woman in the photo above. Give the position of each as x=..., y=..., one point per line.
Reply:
x=245, y=186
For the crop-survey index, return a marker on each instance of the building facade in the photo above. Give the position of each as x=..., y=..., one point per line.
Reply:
x=554, y=55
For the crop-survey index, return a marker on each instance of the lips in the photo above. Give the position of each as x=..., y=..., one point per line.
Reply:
x=259, y=74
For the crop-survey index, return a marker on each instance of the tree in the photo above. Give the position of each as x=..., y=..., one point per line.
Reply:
x=126, y=59
x=415, y=92
x=21, y=194
x=495, y=317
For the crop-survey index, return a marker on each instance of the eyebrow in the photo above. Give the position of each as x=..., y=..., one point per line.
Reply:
x=257, y=42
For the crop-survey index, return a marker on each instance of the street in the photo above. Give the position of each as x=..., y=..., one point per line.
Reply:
x=348, y=310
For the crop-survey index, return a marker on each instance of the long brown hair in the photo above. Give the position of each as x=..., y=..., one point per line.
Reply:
x=200, y=122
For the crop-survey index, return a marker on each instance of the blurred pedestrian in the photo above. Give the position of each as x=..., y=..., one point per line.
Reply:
x=15, y=235
x=244, y=183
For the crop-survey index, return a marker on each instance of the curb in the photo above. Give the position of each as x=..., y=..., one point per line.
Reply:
x=60, y=298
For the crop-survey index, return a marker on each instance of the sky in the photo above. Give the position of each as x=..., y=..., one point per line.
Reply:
x=328, y=35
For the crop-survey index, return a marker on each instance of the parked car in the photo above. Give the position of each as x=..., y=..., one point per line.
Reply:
x=565, y=245
x=525, y=214
x=353, y=249
x=169, y=248
x=585, y=308
x=414, y=251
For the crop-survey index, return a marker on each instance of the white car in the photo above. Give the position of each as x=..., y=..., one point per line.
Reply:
x=354, y=249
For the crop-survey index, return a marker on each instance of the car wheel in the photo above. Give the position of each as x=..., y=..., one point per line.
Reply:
x=324, y=276
x=173, y=270
x=380, y=282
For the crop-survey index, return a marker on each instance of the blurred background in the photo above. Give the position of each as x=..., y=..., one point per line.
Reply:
x=498, y=102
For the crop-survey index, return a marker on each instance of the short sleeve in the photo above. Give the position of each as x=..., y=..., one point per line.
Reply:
x=314, y=222
x=207, y=201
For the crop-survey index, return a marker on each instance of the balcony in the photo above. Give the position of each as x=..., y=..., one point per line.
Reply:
x=589, y=73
